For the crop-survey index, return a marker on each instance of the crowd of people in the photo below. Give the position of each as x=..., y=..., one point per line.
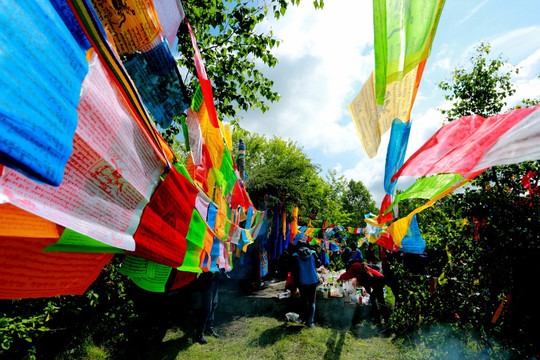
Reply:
x=371, y=271
x=304, y=265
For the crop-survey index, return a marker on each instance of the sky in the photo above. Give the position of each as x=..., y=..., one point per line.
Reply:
x=326, y=56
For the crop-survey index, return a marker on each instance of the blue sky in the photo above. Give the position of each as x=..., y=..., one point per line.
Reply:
x=326, y=56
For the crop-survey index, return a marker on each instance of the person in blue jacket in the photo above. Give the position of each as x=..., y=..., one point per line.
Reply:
x=306, y=266
x=356, y=256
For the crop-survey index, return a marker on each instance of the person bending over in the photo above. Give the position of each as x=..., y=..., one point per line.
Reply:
x=373, y=282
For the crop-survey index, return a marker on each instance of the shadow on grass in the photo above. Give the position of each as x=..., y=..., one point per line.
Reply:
x=365, y=329
x=164, y=328
x=156, y=339
x=271, y=336
x=334, y=344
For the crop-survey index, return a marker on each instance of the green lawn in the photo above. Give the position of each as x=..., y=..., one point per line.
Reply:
x=167, y=333
x=269, y=338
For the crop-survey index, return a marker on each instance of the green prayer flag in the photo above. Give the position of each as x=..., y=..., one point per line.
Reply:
x=146, y=274
x=197, y=100
x=403, y=34
x=72, y=241
x=227, y=170
x=194, y=244
x=427, y=188
x=182, y=170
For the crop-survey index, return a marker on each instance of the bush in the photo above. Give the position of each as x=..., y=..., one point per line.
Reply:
x=478, y=263
x=101, y=314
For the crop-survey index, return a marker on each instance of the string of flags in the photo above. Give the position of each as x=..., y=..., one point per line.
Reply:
x=458, y=152
x=85, y=173
x=88, y=175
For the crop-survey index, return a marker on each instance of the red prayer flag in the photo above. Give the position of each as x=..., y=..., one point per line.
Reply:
x=459, y=145
x=161, y=236
x=27, y=272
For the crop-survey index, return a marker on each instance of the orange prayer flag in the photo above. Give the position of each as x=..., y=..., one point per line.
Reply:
x=16, y=222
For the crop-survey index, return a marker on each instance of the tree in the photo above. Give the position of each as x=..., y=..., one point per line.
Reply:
x=357, y=201
x=231, y=47
x=281, y=169
x=332, y=210
x=483, y=89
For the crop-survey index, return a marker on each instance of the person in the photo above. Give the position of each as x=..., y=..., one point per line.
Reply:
x=345, y=255
x=390, y=259
x=209, y=288
x=356, y=256
x=373, y=282
x=371, y=259
x=306, y=270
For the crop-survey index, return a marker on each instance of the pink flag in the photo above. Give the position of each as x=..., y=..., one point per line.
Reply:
x=170, y=14
x=459, y=147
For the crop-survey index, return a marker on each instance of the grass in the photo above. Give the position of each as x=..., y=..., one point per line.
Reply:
x=93, y=352
x=265, y=337
x=249, y=330
x=269, y=338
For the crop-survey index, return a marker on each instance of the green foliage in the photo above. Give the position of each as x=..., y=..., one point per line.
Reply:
x=281, y=169
x=476, y=265
x=92, y=352
x=483, y=89
x=102, y=313
x=14, y=329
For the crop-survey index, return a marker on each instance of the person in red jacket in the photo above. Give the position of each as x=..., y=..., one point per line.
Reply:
x=373, y=282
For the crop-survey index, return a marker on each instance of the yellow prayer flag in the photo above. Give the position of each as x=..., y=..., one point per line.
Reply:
x=372, y=120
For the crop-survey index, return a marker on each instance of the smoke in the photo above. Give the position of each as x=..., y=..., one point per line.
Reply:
x=444, y=341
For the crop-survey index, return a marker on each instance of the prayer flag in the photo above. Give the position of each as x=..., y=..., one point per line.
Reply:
x=413, y=242
x=108, y=179
x=15, y=222
x=39, y=89
x=27, y=272
x=146, y=274
x=164, y=228
x=403, y=32
x=372, y=120
x=206, y=85
x=134, y=24
x=170, y=14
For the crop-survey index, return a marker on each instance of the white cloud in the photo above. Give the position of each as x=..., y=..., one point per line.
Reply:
x=324, y=58
x=517, y=44
x=527, y=82
x=370, y=171
x=473, y=11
